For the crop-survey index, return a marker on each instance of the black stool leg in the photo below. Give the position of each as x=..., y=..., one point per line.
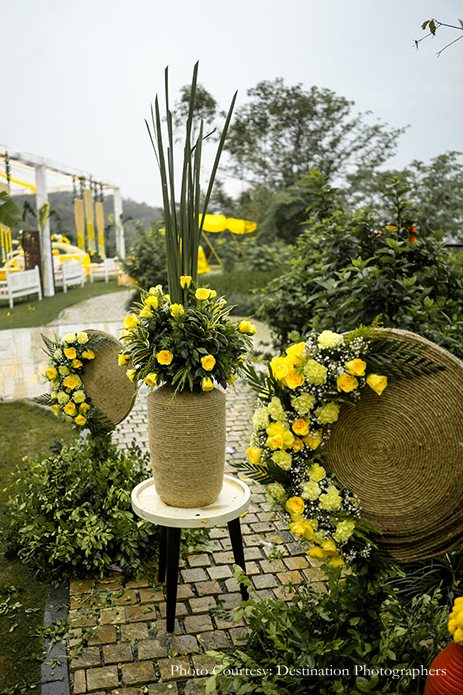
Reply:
x=173, y=553
x=162, y=554
x=234, y=529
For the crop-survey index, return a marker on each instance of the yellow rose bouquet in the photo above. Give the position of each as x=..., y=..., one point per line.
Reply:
x=300, y=398
x=189, y=345
x=66, y=365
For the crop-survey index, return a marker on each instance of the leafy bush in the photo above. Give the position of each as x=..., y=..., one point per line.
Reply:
x=347, y=634
x=146, y=262
x=74, y=517
x=347, y=269
x=238, y=287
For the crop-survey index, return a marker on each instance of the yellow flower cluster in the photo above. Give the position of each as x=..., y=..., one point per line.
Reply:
x=455, y=624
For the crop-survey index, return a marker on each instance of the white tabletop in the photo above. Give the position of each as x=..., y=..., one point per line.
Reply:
x=233, y=501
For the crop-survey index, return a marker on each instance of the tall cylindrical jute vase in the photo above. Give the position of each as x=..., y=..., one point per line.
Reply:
x=187, y=445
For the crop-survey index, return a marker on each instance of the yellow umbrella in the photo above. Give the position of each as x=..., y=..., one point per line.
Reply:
x=217, y=224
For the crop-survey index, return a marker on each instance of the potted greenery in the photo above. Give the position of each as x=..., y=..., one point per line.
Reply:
x=182, y=344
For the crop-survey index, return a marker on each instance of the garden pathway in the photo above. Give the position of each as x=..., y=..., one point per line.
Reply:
x=120, y=645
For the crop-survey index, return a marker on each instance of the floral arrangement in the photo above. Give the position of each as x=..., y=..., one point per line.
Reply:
x=190, y=345
x=299, y=400
x=456, y=621
x=66, y=364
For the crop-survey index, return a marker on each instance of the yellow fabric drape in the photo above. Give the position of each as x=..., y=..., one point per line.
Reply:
x=88, y=204
x=99, y=214
x=219, y=223
x=80, y=222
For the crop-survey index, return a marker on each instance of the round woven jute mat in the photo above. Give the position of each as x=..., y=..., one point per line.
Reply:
x=112, y=393
x=402, y=454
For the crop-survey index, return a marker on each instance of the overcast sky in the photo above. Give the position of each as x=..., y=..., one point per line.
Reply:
x=78, y=77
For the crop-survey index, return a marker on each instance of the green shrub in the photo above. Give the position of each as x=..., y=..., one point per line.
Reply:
x=266, y=257
x=146, y=262
x=73, y=516
x=238, y=287
x=347, y=269
x=355, y=627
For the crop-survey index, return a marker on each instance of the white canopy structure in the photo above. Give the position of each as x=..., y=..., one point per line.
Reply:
x=41, y=176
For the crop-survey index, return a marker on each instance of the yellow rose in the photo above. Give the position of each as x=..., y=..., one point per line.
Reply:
x=185, y=281
x=88, y=355
x=356, y=367
x=377, y=382
x=245, y=327
x=122, y=359
x=301, y=427
x=279, y=436
x=51, y=373
x=206, y=384
x=125, y=335
x=336, y=562
x=130, y=322
x=70, y=408
x=296, y=353
x=80, y=420
x=347, y=383
x=164, y=357
x=150, y=302
x=76, y=364
x=293, y=380
x=316, y=552
x=313, y=439
x=145, y=313
x=308, y=532
x=70, y=353
x=131, y=374
x=72, y=381
x=70, y=337
x=82, y=338
x=177, y=310
x=254, y=455
x=253, y=329
x=56, y=409
x=150, y=379
x=232, y=379
x=295, y=505
x=202, y=293
x=328, y=339
x=297, y=445
x=208, y=362
x=329, y=547
x=297, y=527
x=280, y=366
x=83, y=407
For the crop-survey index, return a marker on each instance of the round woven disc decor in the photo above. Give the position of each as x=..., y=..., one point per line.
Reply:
x=106, y=383
x=402, y=454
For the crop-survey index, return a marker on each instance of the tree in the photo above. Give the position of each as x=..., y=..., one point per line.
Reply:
x=433, y=25
x=282, y=132
x=205, y=109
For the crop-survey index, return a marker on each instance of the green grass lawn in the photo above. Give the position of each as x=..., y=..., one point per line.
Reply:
x=29, y=312
x=27, y=430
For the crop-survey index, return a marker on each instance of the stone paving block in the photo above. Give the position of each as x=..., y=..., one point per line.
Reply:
x=150, y=595
x=197, y=623
x=264, y=581
x=253, y=539
x=292, y=576
x=151, y=649
x=202, y=605
x=160, y=689
x=223, y=624
x=90, y=656
x=109, y=584
x=197, y=686
x=209, y=588
x=160, y=628
x=126, y=599
x=272, y=566
x=232, y=585
x=252, y=568
x=230, y=601
x=314, y=574
x=177, y=668
x=102, y=634
x=184, y=591
x=180, y=609
x=199, y=560
x=266, y=516
x=117, y=653
x=238, y=635
x=252, y=554
x=135, y=631
x=194, y=575
x=296, y=563
x=142, y=613
x=138, y=583
x=204, y=664
x=215, y=639
x=112, y=616
x=102, y=678
x=184, y=644
x=80, y=682
x=224, y=558
x=82, y=618
x=281, y=593
x=81, y=586
x=218, y=532
x=219, y=572
x=139, y=673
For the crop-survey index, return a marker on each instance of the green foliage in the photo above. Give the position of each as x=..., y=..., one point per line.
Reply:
x=74, y=516
x=10, y=214
x=356, y=626
x=347, y=269
x=238, y=287
x=146, y=262
x=282, y=131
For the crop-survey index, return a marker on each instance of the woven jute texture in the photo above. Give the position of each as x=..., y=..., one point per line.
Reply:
x=187, y=445
x=402, y=454
x=106, y=383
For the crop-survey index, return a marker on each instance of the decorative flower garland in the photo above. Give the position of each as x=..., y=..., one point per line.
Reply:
x=67, y=359
x=189, y=345
x=299, y=400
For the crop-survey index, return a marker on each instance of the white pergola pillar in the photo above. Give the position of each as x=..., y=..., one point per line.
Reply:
x=120, y=236
x=45, y=240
